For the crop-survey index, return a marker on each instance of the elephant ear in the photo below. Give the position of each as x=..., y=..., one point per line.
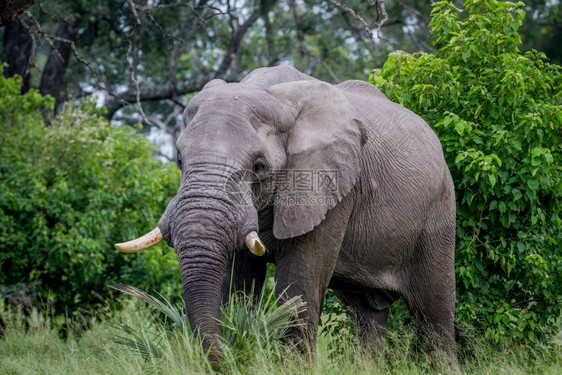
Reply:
x=323, y=155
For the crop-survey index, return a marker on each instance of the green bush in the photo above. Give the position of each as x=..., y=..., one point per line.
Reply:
x=69, y=192
x=498, y=114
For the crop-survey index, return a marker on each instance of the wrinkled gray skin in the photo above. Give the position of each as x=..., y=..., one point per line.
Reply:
x=386, y=230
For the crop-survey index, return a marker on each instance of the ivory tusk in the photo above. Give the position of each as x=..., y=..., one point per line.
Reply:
x=141, y=243
x=254, y=244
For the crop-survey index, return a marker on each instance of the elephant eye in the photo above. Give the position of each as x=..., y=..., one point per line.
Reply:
x=178, y=159
x=259, y=166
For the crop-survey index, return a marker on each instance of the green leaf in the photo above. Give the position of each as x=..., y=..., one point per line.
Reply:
x=533, y=184
x=460, y=157
x=460, y=127
x=492, y=179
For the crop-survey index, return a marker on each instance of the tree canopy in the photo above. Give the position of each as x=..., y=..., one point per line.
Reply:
x=141, y=59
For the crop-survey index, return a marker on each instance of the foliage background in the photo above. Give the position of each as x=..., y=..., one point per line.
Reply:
x=69, y=191
x=142, y=60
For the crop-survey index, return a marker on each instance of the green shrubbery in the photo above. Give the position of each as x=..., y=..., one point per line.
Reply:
x=68, y=192
x=498, y=114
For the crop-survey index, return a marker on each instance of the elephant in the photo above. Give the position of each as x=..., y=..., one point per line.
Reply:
x=336, y=185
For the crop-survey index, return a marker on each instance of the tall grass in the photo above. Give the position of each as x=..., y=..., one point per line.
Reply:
x=150, y=336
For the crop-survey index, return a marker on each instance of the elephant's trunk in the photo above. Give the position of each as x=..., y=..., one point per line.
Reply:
x=205, y=233
x=206, y=222
x=202, y=269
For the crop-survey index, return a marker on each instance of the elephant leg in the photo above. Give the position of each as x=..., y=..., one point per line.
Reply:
x=434, y=317
x=369, y=312
x=304, y=267
x=430, y=295
x=244, y=272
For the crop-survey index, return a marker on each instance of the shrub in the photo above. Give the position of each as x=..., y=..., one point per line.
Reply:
x=69, y=192
x=497, y=113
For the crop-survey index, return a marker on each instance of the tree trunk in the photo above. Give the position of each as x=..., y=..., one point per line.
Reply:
x=11, y=9
x=57, y=63
x=16, y=52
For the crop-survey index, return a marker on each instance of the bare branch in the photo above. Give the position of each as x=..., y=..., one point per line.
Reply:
x=173, y=87
x=132, y=57
x=358, y=17
x=359, y=30
x=133, y=60
x=172, y=131
x=134, y=11
x=164, y=91
x=149, y=8
x=81, y=60
x=151, y=18
x=173, y=70
x=55, y=68
x=176, y=112
x=39, y=29
x=148, y=120
x=50, y=39
x=239, y=34
x=187, y=28
x=381, y=8
x=43, y=10
x=177, y=103
x=31, y=60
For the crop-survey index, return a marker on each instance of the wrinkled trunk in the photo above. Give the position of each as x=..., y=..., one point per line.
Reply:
x=203, y=234
x=206, y=225
x=202, y=272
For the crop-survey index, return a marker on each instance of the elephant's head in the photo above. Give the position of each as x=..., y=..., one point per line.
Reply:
x=237, y=140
